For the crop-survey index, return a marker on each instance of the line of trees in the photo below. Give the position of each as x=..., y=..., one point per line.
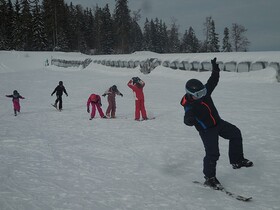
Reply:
x=54, y=25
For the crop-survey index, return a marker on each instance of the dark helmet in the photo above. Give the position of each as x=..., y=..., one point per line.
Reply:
x=15, y=93
x=60, y=83
x=114, y=88
x=195, y=88
x=135, y=80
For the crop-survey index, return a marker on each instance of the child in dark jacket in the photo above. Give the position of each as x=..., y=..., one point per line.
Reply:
x=201, y=112
x=59, y=92
x=16, y=96
x=111, y=93
x=95, y=101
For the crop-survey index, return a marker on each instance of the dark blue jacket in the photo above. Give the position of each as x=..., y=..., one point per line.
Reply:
x=202, y=113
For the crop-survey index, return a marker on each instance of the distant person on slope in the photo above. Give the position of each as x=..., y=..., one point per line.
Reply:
x=201, y=112
x=95, y=101
x=59, y=92
x=137, y=85
x=111, y=93
x=16, y=96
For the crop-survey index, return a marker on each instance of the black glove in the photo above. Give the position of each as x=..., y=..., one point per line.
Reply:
x=215, y=66
x=51, y=94
x=121, y=94
x=189, y=121
x=88, y=110
x=104, y=95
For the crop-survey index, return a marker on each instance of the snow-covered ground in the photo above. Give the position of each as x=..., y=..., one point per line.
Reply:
x=62, y=160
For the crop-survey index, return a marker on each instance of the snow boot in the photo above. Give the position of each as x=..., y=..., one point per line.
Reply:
x=213, y=182
x=242, y=163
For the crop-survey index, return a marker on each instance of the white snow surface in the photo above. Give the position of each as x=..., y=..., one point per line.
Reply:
x=62, y=160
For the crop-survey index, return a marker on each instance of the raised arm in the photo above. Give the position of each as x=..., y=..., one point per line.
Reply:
x=214, y=78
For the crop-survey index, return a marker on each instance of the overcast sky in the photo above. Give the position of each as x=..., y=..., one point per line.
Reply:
x=260, y=17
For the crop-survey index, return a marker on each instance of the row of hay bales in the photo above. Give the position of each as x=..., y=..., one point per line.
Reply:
x=123, y=63
x=232, y=66
x=70, y=63
x=193, y=66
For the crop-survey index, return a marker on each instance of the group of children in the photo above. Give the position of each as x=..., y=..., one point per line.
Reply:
x=136, y=84
x=200, y=112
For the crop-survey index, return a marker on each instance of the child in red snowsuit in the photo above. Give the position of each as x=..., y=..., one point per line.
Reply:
x=95, y=102
x=112, y=92
x=16, y=96
x=137, y=85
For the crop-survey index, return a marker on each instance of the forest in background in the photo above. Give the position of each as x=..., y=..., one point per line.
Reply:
x=53, y=25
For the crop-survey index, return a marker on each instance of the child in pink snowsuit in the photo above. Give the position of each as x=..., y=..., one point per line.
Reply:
x=95, y=102
x=112, y=92
x=16, y=96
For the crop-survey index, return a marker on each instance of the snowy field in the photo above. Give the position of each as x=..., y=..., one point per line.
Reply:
x=62, y=160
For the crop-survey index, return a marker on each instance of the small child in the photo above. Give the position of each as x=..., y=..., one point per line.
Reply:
x=95, y=102
x=112, y=92
x=59, y=90
x=16, y=96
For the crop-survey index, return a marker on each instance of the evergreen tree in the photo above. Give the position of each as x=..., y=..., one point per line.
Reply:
x=26, y=21
x=80, y=29
x=147, y=36
x=106, y=30
x=122, y=21
x=163, y=37
x=173, y=39
x=71, y=29
x=97, y=29
x=89, y=29
x=136, y=35
x=213, y=38
x=156, y=36
x=226, y=41
x=184, y=44
x=206, y=30
x=18, y=42
x=6, y=24
x=54, y=19
x=3, y=33
x=190, y=43
x=153, y=37
x=39, y=37
x=9, y=26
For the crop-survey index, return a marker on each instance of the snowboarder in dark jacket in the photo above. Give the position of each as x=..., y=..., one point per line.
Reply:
x=59, y=92
x=201, y=112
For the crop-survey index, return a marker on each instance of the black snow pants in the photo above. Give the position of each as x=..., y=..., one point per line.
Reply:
x=59, y=101
x=210, y=138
